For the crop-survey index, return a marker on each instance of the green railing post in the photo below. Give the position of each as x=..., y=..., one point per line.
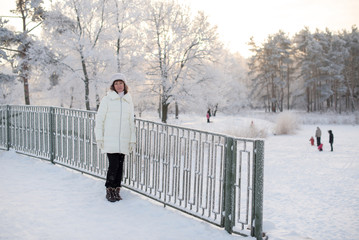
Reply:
x=229, y=194
x=258, y=188
x=52, y=134
x=8, y=131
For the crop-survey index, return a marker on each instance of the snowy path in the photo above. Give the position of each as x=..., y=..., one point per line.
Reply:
x=45, y=202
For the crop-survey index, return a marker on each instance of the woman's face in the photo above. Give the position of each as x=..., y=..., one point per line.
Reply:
x=119, y=86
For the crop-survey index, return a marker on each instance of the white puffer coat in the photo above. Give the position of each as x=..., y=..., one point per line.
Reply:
x=115, y=124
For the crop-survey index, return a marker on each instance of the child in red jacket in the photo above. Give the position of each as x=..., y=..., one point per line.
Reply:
x=311, y=141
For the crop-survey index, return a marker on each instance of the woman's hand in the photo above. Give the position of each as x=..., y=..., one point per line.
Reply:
x=100, y=144
x=132, y=146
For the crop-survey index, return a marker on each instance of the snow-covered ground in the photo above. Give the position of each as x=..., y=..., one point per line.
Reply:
x=310, y=194
x=307, y=194
x=40, y=201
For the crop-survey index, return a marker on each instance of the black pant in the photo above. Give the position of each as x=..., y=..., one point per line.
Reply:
x=115, y=169
x=318, y=141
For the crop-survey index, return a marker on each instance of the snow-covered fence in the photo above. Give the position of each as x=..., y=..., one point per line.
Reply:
x=214, y=177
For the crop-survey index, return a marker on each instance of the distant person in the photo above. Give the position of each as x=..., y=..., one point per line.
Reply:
x=115, y=132
x=208, y=115
x=331, y=139
x=320, y=147
x=318, y=135
x=311, y=141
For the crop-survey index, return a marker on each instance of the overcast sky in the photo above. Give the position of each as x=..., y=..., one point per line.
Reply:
x=238, y=20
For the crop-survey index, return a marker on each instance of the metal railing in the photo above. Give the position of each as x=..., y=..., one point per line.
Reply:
x=214, y=177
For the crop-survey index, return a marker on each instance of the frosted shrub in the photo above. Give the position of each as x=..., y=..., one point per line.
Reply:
x=255, y=132
x=286, y=124
x=249, y=131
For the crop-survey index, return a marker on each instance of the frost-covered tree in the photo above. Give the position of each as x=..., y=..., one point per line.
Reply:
x=221, y=85
x=175, y=43
x=6, y=38
x=337, y=53
x=208, y=90
x=309, y=57
x=18, y=47
x=96, y=39
x=271, y=69
x=285, y=66
x=6, y=81
x=324, y=68
x=127, y=41
x=75, y=28
x=323, y=72
x=320, y=57
x=351, y=69
x=235, y=82
x=126, y=16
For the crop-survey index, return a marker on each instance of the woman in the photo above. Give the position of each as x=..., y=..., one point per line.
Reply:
x=115, y=132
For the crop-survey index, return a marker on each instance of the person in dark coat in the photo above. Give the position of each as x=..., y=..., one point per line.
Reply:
x=331, y=139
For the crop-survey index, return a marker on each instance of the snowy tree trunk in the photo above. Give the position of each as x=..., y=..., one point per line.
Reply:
x=176, y=110
x=72, y=97
x=308, y=100
x=25, y=80
x=288, y=87
x=273, y=95
x=24, y=74
x=86, y=81
x=164, y=112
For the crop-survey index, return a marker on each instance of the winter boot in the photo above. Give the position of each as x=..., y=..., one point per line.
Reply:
x=117, y=194
x=110, y=194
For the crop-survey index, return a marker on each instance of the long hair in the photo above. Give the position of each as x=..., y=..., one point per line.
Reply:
x=125, y=90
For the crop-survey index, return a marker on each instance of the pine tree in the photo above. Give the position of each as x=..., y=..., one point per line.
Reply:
x=351, y=69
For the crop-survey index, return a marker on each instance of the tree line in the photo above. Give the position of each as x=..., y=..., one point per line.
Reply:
x=317, y=71
x=65, y=53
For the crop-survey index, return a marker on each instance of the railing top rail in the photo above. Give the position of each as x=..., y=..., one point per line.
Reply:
x=151, y=121
x=184, y=128
x=42, y=106
x=201, y=131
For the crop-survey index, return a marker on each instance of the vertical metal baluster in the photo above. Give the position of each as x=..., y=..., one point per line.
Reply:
x=248, y=181
x=20, y=130
x=23, y=145
x=38, y=135
x=211, y=176
x=156, y=159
